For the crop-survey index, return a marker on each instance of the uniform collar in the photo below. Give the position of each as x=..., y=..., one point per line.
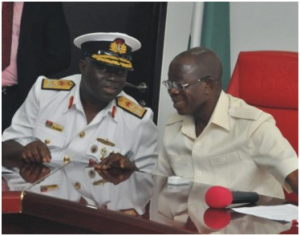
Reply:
x=74, y=99
x=74, y=102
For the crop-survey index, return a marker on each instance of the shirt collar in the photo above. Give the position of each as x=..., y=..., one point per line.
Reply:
x=219, y=117
x=220, y=114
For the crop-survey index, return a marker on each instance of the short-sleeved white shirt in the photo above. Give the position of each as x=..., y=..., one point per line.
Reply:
x=127, y=134
x=240, y=148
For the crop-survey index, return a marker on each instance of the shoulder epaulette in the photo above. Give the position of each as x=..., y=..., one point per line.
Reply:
x=57, y=84
x=131, y=107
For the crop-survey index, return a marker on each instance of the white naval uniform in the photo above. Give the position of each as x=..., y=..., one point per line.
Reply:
x=240, y=148
x=132, y=136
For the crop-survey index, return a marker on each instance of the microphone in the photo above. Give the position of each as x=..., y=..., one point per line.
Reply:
x=220, y=197
x=216, y=218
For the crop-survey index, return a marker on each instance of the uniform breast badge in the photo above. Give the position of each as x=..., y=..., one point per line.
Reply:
x=48, y=188
x=106, y=142
x=53, y=125
x=101, y=148
x=100, y=182
x=103, y=152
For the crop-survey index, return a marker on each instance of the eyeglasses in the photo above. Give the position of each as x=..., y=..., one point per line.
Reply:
x=180, y=86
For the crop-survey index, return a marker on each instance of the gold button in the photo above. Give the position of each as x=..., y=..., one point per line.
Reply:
x=67, y=158
x=77, y=185
x=82, y=134
x=94, y=148
x=47, y=141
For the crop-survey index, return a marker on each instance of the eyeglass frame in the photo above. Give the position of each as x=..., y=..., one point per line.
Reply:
x=181, y=86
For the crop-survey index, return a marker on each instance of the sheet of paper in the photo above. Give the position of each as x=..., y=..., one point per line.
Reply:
x=286, y=212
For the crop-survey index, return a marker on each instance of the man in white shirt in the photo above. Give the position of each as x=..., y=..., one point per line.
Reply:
x=87, y=117
x=218, y=139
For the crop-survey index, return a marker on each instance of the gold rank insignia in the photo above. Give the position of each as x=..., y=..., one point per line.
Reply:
x=106, y=142
x=57, y=84
x=131, y=107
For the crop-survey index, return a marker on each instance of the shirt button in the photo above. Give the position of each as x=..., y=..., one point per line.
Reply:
x=67, y=158
x=47, y=141
x=77, y=185
x=94, y=149
x=198, y=173
x=82, y=134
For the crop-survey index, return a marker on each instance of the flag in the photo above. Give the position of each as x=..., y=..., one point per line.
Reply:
x=215, y=34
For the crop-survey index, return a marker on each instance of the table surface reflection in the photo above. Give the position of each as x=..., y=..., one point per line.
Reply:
x=118, y=201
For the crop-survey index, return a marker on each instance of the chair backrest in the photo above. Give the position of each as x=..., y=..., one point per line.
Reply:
x=269, y=80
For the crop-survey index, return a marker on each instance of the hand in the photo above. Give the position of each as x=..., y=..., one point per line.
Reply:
x=115, y=160
x=37, y=152
x=114, y=176
x=31, y=172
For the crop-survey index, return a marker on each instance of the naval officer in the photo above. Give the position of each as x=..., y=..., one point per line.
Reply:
x=86, y=117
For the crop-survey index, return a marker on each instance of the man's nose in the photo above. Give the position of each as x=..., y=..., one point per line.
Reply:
x=173, y=91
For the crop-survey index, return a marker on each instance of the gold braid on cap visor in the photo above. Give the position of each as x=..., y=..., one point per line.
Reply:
x=113, y=60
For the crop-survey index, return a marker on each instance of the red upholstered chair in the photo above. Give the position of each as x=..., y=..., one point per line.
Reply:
x=269, y=80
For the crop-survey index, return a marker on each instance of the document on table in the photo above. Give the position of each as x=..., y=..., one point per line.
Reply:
x=286, y=212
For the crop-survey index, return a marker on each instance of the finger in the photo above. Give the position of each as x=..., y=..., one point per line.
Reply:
x=122, y=163
x=92, y=162
x=35, y=154
x=43, y=171
x=114, y=159
x=27, y=156
x=104, y=174
x=105, y=164
x=24, y=158
x=44, y=153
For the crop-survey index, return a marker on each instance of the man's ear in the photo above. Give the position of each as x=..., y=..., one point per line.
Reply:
x=210, y=83
x=82, y=65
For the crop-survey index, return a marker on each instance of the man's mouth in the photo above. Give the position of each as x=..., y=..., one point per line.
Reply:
x=178, y=103
x=110, y=89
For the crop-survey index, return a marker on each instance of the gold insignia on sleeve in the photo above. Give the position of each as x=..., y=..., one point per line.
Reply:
x=131, y=107
x=57, y=84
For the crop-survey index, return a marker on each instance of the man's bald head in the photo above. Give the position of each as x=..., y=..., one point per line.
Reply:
x=206, y=61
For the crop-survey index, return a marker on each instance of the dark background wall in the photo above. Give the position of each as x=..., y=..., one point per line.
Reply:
x=142, y=20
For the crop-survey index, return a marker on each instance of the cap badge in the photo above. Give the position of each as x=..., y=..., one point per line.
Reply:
x=118, y=46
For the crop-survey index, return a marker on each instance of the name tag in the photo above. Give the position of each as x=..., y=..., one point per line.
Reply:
x=48, y=188
x=54, y=126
